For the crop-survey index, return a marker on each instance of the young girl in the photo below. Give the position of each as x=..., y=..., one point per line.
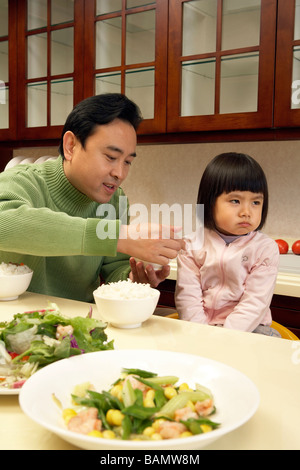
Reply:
x=230, y=280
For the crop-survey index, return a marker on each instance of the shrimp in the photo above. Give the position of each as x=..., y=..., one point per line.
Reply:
x=205, y=407
x=185, y=413
x=171, y=430
x=85, y=421
x=62, y=331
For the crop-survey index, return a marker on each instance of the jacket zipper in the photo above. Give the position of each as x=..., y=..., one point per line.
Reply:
x=222, y=277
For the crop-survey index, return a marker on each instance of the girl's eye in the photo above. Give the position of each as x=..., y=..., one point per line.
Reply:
x=234, y=201
x=257, y=203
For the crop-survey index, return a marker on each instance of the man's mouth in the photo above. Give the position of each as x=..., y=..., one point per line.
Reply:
x=109, y=187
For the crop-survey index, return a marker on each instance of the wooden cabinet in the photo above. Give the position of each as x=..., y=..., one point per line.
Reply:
x=126, y=52
x=191, y=65
x=8, y=66
x=287, y=84
x=221, y=64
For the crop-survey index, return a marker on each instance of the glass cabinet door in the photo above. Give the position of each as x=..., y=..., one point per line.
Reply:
x=224, y=65
x=287, y=89
x=129, y=55
x=7, y=78
x=47, y=30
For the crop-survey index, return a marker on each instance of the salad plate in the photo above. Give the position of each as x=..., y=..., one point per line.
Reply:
x=9, y=391
x=236, y=397
x=32, y=340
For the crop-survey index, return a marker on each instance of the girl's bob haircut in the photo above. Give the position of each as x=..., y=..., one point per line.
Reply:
x=231, y=172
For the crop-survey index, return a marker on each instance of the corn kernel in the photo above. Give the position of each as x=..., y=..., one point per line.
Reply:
x=184, y=386
x=114, y=417
x=148, y=402
x=186, y=434
x=95, y=433
x=149, y=431
x=191, y=405
x=157, y=423
x=108, y=434
x=156, y=436
x=170, y=392
x=150, y=394
x=67, y=414
x=116, y=391
x=205, y=427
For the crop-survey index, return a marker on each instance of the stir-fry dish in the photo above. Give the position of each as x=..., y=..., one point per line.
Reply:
x=140, y=405
x=32, y=340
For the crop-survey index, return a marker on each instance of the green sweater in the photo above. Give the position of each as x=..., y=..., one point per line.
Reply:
x=50, y=226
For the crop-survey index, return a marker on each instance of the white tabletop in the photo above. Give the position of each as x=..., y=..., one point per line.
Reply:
x=273, y=364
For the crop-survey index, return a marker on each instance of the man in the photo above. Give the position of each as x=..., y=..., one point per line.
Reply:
x=49, y=213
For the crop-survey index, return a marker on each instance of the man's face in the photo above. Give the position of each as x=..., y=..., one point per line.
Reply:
x=99, y=169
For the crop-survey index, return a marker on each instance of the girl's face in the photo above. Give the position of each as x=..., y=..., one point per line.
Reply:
x=238, y=212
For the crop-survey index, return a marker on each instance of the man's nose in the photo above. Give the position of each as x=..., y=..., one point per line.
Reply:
x=118, y=171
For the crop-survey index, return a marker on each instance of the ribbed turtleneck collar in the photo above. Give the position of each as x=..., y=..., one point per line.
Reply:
x=64, y=194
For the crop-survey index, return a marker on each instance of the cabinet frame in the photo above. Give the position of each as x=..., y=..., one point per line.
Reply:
x=284, y=115
x=148, y=126
x=10, y=133
x=47, y=132
x=263, y=117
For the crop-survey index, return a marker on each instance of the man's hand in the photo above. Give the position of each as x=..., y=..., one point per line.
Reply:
x=154, y=243
x=146, y=273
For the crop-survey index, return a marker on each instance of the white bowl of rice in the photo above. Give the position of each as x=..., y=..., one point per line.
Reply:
x=14, y=280
x=126, y=304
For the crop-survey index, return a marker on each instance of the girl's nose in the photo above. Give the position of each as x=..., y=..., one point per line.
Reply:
x=245, y=210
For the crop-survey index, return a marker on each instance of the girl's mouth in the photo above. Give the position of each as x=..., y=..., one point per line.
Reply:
x=244, y=224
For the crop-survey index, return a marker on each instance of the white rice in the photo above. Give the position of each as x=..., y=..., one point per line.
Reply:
x=12, y=269
x=125, y=290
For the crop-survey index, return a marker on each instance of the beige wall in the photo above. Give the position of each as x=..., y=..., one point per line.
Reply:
x=171, y=173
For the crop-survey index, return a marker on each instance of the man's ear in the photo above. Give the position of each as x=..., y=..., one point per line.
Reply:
x=69, y=141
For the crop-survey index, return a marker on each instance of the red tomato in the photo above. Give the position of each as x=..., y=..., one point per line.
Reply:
x=283, y=246
x=296, y=247
x=13, y=355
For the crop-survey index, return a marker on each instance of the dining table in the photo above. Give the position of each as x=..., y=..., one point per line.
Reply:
x=271, y=363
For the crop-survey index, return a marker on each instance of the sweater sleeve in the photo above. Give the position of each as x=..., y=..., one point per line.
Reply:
x=253, y=307
x=188, y=294
x=42, y=232
x=29, y=225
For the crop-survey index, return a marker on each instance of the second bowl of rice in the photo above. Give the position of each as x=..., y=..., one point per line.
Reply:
x=14, y=280
x=126, y=304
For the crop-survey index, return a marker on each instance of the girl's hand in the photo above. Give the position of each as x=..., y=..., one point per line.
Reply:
x=146, y=273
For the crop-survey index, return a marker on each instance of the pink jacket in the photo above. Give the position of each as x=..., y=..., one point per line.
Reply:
x=230, y=285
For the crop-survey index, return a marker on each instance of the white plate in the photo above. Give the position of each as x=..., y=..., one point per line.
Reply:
x=236, y=397
x=9, y=391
